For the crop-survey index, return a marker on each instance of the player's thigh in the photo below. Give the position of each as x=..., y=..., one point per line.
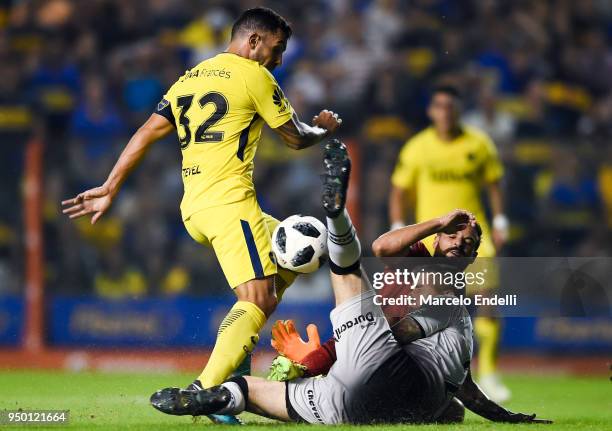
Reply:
x=317, y=400
x=347, y=286
x=195, y=229
x=363, y=339
x=271, y=222
x=241, y=240
x=286, y=276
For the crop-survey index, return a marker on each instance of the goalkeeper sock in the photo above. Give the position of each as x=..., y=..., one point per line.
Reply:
x=343, y=245
x=487, y=331
x=237, y=336
x=239, y=397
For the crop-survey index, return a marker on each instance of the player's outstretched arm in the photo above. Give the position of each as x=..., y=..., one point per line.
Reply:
x=98, y=200
x=299, y=135
x=500, y=221
x=475, y=400
x=398, y=206
x=396, y=242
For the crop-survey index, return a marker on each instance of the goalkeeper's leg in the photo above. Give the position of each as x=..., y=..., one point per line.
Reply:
x=343, y=245
x=238, y=394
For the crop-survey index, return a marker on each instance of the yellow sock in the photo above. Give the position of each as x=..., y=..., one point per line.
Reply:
x=237, y=335
x=487, y=331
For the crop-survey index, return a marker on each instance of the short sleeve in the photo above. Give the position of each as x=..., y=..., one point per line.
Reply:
x=164, y=109
x=269, y=100
x=493, y=170
x=407, y=167
x=434, y=318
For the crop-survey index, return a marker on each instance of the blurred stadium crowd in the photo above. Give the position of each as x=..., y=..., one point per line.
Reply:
x=82, y=75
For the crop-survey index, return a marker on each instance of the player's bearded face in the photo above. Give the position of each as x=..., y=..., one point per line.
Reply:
x=268, y=48
x=458, y=244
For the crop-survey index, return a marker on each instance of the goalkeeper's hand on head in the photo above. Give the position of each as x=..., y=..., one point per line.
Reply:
x=287, y=341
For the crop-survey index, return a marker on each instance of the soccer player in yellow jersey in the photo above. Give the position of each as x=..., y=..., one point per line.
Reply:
x=218, y=110
x=448, y=166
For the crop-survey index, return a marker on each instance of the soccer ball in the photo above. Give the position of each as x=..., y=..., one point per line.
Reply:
x=300, y=243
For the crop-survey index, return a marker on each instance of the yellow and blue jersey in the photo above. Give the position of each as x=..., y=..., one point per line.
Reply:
x=446, y=175
x=219, y=108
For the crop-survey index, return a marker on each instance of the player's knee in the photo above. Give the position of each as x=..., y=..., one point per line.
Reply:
x=259, y=292
x=267, y=304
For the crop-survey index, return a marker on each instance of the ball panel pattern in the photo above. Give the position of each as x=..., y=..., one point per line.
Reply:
x=306, y=229
x=303, y=256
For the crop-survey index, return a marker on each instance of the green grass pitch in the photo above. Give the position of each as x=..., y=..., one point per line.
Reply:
x=119, y=401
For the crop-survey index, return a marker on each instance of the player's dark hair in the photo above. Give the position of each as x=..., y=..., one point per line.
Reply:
x=447, y=89
x=261, y=18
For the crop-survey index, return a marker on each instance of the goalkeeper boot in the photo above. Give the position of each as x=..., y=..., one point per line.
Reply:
x=335, y=178
x=216, y=419
x=244, y=369
x=183, y=402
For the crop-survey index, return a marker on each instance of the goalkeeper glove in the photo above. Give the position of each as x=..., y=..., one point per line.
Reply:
x=287, y=341
x=283, y=369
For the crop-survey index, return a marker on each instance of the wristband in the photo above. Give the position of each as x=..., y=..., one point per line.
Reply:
x=500, y=222
x=397, y=225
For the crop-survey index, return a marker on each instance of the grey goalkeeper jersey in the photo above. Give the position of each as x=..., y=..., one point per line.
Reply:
x=448, y=340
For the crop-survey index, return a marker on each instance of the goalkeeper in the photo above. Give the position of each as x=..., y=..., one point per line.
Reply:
x=457, y=237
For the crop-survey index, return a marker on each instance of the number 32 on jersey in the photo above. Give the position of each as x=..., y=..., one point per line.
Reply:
x=203, y=134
